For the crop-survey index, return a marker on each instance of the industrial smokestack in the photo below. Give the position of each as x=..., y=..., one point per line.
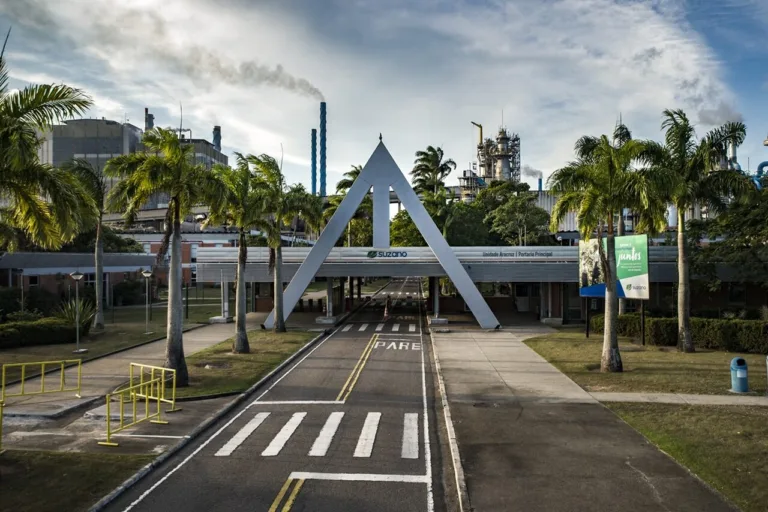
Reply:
x=322, y=148
x=149, y=120
x=314, y=161
x=541, y=184
x=217, y=138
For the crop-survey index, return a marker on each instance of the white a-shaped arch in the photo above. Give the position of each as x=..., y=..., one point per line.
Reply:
x=381, y=172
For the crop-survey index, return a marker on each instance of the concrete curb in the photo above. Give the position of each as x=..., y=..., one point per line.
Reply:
x=458, y=469
x=200, y=429
x=124, y=349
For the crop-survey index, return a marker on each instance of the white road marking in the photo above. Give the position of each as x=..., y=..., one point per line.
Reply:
x=222, y=428
x=358, y=477
x=410, y=448
x=242, y=435
x=323, y=441
x=346, y=328
x=363, y=327
x=148, y=436
x=395, y=327
x=299, y=402
x=379, y=327
x=412, y=328
x=282, y=437
x=368, y=435
x=427, y=448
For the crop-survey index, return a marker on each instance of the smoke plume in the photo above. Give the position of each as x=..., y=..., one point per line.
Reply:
x=530, y=172
x=118, y=30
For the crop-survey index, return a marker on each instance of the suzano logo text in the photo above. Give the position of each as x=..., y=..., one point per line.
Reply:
x=387, y=254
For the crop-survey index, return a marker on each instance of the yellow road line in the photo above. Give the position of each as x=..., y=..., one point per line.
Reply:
x=292, y=497
x=280, y=495
x=357, y=365
x=360, y=368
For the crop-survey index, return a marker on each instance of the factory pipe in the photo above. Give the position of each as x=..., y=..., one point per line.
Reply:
x=480, y=141
x=314, y=161
x=216, y=138
x=322, y=148
x=541, y=184
x=761, y=169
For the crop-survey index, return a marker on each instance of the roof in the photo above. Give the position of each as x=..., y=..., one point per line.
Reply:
x=42, y=263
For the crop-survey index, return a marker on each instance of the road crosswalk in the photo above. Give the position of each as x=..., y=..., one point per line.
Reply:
x=366, y=440
x=381, y=327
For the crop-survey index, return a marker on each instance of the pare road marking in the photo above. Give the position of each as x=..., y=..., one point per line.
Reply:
x=397, y=345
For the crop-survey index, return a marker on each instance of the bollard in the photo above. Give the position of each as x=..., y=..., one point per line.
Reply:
x=739, y=382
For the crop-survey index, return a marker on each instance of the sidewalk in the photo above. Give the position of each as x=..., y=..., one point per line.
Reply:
x=531, y=439
x=103, y=375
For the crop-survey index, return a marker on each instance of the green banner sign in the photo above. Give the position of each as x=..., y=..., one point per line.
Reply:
x=631, y=268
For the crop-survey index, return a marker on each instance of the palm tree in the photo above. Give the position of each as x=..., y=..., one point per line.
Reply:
x=95, y=183
x=241, y=208
x=41, y=204
x=166, y=166
x=283, y=202
x=430, y=170
x=597, y=188
x=696, y=181
x=349, y=179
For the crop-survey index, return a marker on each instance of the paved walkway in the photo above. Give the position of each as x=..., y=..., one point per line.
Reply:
x=683, y=399
x=103, y=375
x=531, y=439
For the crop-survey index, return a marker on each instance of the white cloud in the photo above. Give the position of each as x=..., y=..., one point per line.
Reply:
x=558, y=69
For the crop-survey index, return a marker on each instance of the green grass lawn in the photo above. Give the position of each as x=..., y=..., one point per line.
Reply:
x=126, y=328
x=725, y=446
x=52, y=482
x=230, y=372
x=652, y=369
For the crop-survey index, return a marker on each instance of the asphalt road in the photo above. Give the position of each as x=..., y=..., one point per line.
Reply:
x=342, y=429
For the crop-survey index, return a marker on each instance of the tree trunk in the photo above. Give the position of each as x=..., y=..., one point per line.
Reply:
x=98, y=320
x=174, y=348
x=611, y=359
x=684, y=339
x=622, y=228
x=240, y=345
x=279, y=316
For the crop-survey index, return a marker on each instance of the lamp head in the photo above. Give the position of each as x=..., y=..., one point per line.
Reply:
x=146, y=273
x=76, y=275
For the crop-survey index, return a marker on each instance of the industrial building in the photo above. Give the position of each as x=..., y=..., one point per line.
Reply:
x=497, y=160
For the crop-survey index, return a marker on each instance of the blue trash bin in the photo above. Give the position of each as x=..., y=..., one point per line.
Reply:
x=739, y=383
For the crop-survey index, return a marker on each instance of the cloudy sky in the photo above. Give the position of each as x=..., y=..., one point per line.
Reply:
x=416, y=71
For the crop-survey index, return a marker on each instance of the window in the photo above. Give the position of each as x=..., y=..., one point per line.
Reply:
x=148, y=248
x=193, y=253
x=34, y=281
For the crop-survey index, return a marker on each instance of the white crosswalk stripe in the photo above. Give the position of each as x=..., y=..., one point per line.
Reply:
x=368, y=435
x=395, y=327
x=363, y=327
x=412, y=328
x=284, y=435
x=346, y=328
x=324, y=439
x=242, y=435
x=410, y=449
x=379, y=327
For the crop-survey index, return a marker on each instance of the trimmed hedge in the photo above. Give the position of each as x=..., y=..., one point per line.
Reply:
x=46, y=331
x=716, y=334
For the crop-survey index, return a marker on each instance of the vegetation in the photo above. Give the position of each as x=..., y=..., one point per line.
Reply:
x=40, y=204
x=242, y=208
x=430, y=170
x=165, y=167
x=646, y=369
x=598, y=185
x=724, y=446
x=216, y=370
x=694, y=182
x=78, y=309
x=50, y=481
x=284, y=203
x=44, y=331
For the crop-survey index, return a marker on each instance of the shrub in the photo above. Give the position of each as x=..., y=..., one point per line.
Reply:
x=68, y=312
x=25, y=316
x=732, y=335
x=46, y=331
x=129, y=292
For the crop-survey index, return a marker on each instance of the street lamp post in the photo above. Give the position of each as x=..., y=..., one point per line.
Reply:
x=77, y=276
x=147, y=274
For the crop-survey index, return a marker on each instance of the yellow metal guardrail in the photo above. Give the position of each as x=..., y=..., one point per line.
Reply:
x=44, y=366
x=140, y=373
x=148, y=392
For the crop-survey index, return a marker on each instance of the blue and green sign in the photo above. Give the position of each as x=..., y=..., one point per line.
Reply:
x=631, y=268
